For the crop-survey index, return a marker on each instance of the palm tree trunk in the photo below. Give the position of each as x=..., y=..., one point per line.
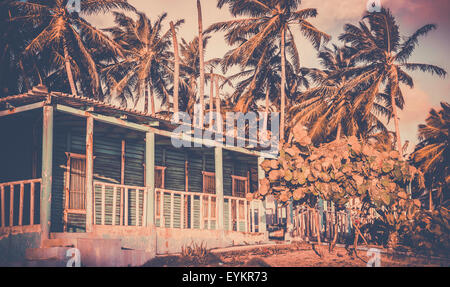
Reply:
x=211, y=101
x=283, y=84
x=394, y=91
x=152, y=100
x=192, y=100
x=202, y=64
x=339, y=131
x=219, y=115
x=397, y=126
x=146, y=99
x=266, y=110
x=431, y=199
x=69, y=70
x=176, y=78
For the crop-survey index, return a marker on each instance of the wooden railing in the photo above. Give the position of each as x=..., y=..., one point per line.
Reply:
x=20, y=202
x=209, y=182
x=305, y=224
x=185, y=210
x=160, y=176
x=241, y=211
x=116, y=204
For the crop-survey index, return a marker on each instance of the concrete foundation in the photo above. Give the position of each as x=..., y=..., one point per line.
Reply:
x=169, y=241
x=112, y=246
x=14, y=241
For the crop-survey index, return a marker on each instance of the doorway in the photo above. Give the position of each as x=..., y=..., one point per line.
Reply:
x=75, y=193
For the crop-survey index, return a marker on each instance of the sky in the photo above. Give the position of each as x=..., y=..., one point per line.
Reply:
x=428, y=91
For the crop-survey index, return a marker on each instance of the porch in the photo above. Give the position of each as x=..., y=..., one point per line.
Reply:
x=74, y=167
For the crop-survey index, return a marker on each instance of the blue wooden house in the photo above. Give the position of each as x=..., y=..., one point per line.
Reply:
x=80, y=173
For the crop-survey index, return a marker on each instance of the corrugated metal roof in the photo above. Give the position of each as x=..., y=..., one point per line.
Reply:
x=40, y=93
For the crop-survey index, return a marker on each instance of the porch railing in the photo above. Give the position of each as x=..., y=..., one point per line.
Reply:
x=123, y=205
x=116, y=204
x=20, y=202
x=185, y=210
x=241, y=214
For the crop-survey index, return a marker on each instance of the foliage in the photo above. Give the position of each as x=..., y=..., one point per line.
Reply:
x=384, y=56
x=147, y=57
x=339, y=171
x=190, y=70
x=432, y=154
x=64, y=41
x=260, y=24
x=195, y=252
x=330, y=109
x=428, y=233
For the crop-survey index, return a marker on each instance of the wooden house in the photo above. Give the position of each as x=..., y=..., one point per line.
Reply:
x=76, y=172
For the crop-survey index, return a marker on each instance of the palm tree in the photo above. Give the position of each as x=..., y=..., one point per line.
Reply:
x=328, y=109
x=190, y=71
x=267, y=21
x=202, y=62
x=17, y=73
x=61, y=35
x=432, y=154
x=385, y=57
x=146, y=65
x=176, y=80
x=257, y=80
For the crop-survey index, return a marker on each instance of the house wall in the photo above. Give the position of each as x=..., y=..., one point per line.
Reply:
x=107, y=168
x=65, y=139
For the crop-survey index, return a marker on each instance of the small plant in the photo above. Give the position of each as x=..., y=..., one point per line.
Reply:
x=195, y=253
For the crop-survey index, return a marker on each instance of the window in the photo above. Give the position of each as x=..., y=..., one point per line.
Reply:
x=209, y=182
x=240, y=186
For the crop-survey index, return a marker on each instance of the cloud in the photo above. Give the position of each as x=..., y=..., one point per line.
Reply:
x=333, y=14
x=421, y=11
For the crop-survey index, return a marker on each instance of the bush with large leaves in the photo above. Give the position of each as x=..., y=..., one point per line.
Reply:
x=340, y=171
x=428, y=233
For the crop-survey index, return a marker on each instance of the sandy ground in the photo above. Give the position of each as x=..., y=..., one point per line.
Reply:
x=293, y=255
x=305, y=255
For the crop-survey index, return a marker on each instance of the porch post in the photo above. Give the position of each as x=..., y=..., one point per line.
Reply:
x=262, y=224
x=89, y=172
x=218, y=161
x=47, y=171
x=150, y=177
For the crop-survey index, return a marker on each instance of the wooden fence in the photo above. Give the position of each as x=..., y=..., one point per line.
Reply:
x=19, y=202
x=306, y=227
